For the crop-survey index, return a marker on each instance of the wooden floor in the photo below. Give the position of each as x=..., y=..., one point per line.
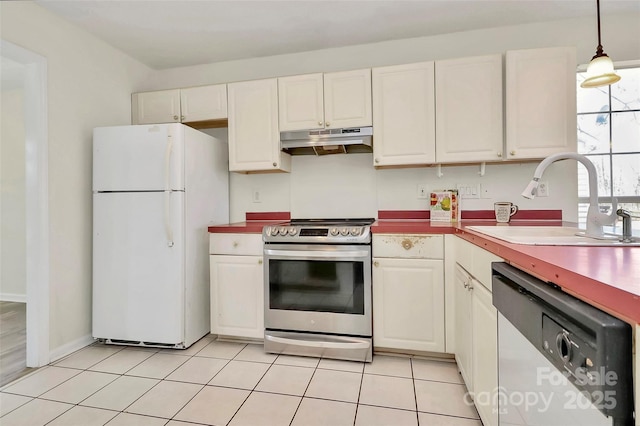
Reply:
x=13, y=341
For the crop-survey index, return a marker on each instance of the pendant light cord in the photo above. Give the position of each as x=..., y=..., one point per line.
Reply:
x=599, y=48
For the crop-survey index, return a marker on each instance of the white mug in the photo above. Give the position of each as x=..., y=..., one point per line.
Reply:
x=504, y=211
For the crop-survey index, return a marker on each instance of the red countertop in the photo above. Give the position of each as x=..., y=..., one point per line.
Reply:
x=252, y=225
x=606, y=277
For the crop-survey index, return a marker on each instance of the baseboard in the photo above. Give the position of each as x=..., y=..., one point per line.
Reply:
x=69, y=348
x=12, y=297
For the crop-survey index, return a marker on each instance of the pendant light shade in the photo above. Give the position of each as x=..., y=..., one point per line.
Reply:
x=600, y=71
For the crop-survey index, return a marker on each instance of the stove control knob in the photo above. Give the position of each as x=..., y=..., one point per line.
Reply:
x=274, y=231
x=334, y=231
x=344, y=232
x=282, y=231
x=293, y=231
x=355, y=231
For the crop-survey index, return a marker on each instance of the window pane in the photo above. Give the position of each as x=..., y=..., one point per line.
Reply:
x=593, y=99
x=626, y=174
x=603, y=169
x=593, y=133
x=625, y=135
x=625, y=94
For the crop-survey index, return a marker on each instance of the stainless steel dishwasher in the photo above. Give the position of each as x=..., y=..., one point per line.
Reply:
x=561, y=362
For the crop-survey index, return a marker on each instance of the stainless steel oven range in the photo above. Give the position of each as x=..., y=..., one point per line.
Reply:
x=317, y=276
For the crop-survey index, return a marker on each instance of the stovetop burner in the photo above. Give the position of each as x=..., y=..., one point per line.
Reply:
x=327, y=231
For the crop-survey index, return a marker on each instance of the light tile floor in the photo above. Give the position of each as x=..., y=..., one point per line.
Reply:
x=227, y=383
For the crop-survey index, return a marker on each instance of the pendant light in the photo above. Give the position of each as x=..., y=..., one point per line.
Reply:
x=600, y=70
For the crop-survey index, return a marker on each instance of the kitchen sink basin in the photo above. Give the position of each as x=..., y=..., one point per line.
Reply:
x=550, y=236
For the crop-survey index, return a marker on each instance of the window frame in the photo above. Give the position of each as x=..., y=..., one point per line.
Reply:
x=606, y=199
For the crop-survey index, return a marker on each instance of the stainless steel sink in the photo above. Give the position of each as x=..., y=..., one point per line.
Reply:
x=550, y=236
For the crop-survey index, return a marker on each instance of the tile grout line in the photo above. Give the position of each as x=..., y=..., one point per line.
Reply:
x=415, y=396
x=252, y=390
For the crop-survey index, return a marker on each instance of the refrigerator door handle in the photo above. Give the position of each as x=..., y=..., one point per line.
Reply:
x=167, y=191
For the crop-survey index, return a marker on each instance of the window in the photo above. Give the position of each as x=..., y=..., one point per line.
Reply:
x=609, y=135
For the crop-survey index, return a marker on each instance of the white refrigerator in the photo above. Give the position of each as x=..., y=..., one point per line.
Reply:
x=156, y=188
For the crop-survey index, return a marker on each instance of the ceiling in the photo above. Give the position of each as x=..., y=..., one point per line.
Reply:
x=167, y=34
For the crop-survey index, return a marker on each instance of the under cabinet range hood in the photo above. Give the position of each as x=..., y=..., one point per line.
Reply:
x=327, y=141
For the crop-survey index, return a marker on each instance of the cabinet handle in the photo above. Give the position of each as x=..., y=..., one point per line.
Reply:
x=406, y=244
x=512, y=153
x=235, y=244
x=260, y=262
x=376, y=264
x=175, y=117
x=182, y=118
x=466, y=284
x=470, y=287
x=499, y=154
x=275, y=164
x=377, y=160
x=327, y=124
x=319, y=123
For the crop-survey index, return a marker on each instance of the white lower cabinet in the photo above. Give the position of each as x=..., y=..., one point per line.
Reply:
x=463, y=323
x=476, y=327
x=408, y=293
x=484, y=353
x=237, y=285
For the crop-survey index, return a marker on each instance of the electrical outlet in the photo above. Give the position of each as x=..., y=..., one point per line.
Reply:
x=255, y=195
x=422, y=193
x=543, y=189
x=466, y=190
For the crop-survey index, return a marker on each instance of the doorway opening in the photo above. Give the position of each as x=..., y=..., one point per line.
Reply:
x=24, y=270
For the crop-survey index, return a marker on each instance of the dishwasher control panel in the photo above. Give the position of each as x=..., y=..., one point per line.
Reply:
x=571, y=347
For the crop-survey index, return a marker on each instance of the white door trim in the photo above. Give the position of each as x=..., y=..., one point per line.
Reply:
x=37, y=200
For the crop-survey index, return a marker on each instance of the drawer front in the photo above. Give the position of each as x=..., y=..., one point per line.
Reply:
x=236, y=244
x=409, y=246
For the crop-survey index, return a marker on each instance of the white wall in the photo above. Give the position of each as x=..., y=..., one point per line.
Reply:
x=13, y=284
x=89, y=85
x=332, y=179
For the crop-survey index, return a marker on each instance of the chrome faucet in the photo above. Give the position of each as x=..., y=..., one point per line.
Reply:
x=626, y=225
x=595, y=219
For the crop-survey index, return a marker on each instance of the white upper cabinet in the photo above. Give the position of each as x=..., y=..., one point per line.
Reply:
x=187, y=105
x=540, y=102
x=347, y=99
x=203, y=103
x=404, y=115
x=156, y=107
x=469, y=109
x=317, y=101
x=254, y=137
x=300, y=102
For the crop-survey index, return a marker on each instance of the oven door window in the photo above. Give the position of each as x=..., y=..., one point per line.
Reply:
x=317, y=285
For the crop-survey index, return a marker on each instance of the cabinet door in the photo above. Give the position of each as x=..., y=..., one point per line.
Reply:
x=463, y=324
x=408, y=304
x=300, y=102
x=347, y=99
x=469, y=109
x=156, y=107
x=485, y=353
x=204, y=103
x=404, y=115
x=540, y=102
x=254, y=138
x=237, y=296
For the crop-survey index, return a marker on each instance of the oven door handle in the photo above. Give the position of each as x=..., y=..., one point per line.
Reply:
x=356, y=344
x=317, y=254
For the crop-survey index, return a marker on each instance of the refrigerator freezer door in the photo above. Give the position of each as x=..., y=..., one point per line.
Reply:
x=138, y=158
x=138, y=275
